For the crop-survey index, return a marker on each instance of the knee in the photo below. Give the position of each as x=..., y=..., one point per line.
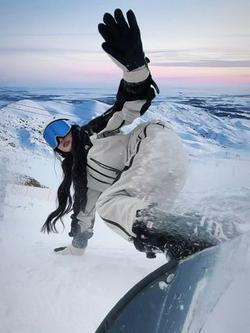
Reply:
x=102, y=203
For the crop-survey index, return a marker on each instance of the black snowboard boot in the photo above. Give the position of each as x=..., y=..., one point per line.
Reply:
x=179, y=236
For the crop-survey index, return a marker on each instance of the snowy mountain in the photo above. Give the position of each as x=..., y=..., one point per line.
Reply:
x=48, y=293
x=22, y=123
x=208, y=124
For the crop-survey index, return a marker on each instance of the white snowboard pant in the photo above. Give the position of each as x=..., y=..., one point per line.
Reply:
x=154, y=174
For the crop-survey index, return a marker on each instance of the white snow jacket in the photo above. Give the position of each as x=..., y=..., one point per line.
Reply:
x=109, y=153
x=112, y=153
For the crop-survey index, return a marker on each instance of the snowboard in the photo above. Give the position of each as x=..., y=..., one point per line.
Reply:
x=178, y=296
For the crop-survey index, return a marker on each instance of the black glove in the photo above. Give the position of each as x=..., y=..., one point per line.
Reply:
x=122, y=39
x=75, y=227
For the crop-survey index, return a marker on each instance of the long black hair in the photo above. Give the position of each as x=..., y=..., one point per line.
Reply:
x=74, y=167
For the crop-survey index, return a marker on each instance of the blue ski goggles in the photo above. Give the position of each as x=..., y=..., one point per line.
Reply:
x=56, y=129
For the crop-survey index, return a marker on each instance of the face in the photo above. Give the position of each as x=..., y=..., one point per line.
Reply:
x=65, y=143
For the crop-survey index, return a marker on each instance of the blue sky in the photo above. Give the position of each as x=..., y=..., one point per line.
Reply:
x=56, y=42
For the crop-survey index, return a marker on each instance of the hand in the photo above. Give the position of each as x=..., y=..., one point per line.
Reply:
x=70, y=250
x=122, y=39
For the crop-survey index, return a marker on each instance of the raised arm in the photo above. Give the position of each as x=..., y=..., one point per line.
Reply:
x=122, y=42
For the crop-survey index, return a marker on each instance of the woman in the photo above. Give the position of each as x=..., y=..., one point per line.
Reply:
x=132, y=179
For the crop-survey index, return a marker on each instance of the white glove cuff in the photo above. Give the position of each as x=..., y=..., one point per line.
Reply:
x=137, y=75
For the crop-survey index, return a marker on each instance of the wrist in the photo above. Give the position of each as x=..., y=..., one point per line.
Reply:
x=79, y=243
x=137, y=75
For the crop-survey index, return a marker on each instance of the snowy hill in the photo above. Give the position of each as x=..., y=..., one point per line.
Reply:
x=203, y=128
x=48, y=293
x=22, y=123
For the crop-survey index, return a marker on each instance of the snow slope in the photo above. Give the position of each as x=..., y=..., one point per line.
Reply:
x=44, y=292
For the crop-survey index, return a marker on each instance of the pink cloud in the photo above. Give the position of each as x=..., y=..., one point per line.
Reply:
x=203, y=75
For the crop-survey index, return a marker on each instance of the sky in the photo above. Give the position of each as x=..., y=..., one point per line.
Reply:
x=55, y=43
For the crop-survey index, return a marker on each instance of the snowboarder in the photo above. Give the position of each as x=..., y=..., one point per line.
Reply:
x=132, y=179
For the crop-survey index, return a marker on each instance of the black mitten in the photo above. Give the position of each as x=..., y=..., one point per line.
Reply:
x=122, y=39
x=75, y=227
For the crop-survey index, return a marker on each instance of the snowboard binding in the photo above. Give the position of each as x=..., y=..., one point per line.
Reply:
x=178, y=236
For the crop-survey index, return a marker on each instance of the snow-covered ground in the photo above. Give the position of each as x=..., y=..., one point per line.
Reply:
x=45, y=292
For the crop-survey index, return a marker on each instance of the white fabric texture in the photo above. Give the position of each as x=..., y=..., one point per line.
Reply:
x=137, y=75
x=127, y=172
x=156, y=172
